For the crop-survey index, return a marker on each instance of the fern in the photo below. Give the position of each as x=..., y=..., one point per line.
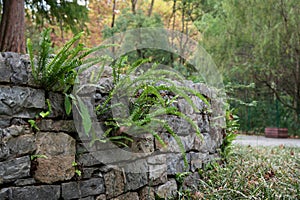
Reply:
x=146, y=105
x=59, y=72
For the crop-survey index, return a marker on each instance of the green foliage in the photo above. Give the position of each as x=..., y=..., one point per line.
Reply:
x=67, y=14
x=77, y=171
x=256, y=43
x=232, y=126
x=128, y=21
x=56, y=72
x=42, y=114
x=33, y=124
x=147, y=102
x=35, y=156
x=253, y=173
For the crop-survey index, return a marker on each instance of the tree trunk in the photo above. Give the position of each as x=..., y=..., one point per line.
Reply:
x=113, y=14
x=12, y=27
x=133, y=6
x=151, y=8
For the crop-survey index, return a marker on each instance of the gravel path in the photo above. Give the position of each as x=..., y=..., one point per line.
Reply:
x=263, y=141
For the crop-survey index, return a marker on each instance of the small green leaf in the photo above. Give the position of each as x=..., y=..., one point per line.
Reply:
x=78, y=172
x=44, y=114
x=85, y=115
x=68, y=104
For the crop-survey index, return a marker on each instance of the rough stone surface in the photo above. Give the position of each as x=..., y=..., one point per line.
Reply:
x=91, y=187
x=5, y=69
x=24, y=144
x=101, y=197
x=49, y=192
x=14, y=169
x=167, y=190
x=175, y=163
x=143, y=144
x=57, y=104
x=157, y=169
x=4, y=122
x=20, y=101
x=191, y=182
x=14, y=68
x=142, y=170
x=27, y=181
x=158, y=173
x=197, y=160
x=57, y=126
x=136, y=174
x=146, y=193
x=5, y=193
x=128, y=195
x=114, y=183
x=60, y=151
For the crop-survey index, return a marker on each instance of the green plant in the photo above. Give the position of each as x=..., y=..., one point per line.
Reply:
x=232, y=126
x=38, y=117
x=58, y=72
x=77, y=171
x=147, y=103
x=35, y=156
x=254, y=173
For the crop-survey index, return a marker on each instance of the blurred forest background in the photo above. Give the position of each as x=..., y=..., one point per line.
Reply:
x=255, y=44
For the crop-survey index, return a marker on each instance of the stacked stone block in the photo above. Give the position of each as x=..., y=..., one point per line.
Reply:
x=41, y=164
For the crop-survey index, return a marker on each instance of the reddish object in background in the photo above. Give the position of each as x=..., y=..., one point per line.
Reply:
x=276, y=132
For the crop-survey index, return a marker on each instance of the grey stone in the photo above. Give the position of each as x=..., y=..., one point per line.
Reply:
x=88, y=198
x=146, y=193
x=20, y=101
x=205, y=145
x=167, y=190
x=24, y=144
x=106, y=85
x=57, y=104
x=172, y=145
x=5, y=193
x=101, y=197
x=13, y=131
x=4, y=121
x=175, y=163
x=143, y=144
x=197, y=160
x=114, y=183
x=4, y=151
x=158, y=174
x=27, y=181
x=127, y=196
x=157, y=169
x=60, y=151
x=91, y=172
x=72, y=190
x=191, y=182
x=185, y=107
x=19, y=67
x=136, y=174
x=156, y=159
x=5, y=69
x=49, y=192
x=106, y=157
x=14, y=169
x=57, y=125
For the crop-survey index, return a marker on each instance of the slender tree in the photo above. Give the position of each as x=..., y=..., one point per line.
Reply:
x=150, y=8
x=12, y=27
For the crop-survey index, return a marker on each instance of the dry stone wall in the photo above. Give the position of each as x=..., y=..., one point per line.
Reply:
x=41, y=164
